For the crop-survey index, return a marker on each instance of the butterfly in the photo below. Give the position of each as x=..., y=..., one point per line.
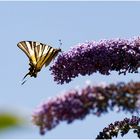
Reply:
x=39, y=54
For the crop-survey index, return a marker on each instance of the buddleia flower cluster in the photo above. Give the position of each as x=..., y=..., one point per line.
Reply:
x=77, y=104
x=104, y=56
x=121, y=126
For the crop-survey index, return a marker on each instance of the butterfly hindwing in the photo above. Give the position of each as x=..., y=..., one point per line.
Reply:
x=52, y=56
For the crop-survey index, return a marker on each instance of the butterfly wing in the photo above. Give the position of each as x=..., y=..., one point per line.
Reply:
x=51, y=56
x=39, y=54
x=46, y=57
x=29, y=48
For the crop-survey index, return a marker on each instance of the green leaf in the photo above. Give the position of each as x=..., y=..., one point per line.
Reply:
x=8, y=120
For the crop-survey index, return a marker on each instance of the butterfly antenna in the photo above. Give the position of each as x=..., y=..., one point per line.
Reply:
x=60, y=44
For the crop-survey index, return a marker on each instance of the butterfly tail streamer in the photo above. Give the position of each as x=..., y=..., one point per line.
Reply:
x=24, y=81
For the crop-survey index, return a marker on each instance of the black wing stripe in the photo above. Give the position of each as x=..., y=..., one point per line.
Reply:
x=35, y=50
x=23, y=47
x=54, y=52
x=46, y=55
x=30, y=44
x=43, y=48
x=40, y=48
x=25, y=44
x=53, y=55
x=50, y=57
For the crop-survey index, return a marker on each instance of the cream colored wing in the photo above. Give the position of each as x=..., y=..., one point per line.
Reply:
x=32, y=49
x=51, y=57
x=46, y=57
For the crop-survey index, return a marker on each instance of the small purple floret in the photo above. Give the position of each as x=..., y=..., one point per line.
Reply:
x=121, y=126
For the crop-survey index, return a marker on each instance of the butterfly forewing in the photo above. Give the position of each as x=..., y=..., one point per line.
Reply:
x=23, y=46
x=29, y=48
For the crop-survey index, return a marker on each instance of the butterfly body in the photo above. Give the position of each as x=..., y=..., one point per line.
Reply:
x=39, y=54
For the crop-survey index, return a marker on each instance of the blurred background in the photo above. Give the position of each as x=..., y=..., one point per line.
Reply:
x=47, y=22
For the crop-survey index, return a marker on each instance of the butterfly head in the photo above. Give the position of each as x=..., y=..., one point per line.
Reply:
x=59, y=50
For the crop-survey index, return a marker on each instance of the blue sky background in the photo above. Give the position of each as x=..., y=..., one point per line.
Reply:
x=47, y=22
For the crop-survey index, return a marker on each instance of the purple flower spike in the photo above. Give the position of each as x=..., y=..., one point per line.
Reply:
x=121, y=126
x=104, y=56
x=96, y=100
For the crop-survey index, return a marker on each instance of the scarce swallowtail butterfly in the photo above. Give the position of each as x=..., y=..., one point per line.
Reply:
x=39, y=54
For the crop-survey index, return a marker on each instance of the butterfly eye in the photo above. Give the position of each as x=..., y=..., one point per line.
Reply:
x=59, y=50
